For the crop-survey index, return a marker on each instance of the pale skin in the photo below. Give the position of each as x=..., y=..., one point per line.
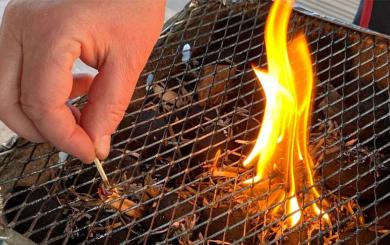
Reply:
x=39, y=42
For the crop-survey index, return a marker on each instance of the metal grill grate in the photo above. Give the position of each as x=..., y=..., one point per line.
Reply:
x=197, y=95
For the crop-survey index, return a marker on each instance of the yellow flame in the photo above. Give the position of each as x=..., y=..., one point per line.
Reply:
x=288, y=86
x=293, y=211
x=216, y=158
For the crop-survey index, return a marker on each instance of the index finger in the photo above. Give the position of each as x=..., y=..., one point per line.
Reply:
x=45, y=87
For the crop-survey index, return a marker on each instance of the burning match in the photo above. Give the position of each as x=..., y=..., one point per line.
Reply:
x=102, y=173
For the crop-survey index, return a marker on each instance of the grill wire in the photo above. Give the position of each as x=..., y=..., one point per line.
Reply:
x=197, y=95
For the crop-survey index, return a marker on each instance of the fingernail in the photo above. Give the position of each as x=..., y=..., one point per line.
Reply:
x=102, y=147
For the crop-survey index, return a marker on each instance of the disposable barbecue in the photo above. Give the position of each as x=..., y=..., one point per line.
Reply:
x=252, y=123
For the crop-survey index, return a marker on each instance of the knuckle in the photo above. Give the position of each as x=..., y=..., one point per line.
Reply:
x=12, y=16
x=110, y=112
x=61, y=50
x=64, y=27
x=12, y=9
x=114, y=116
x=34, y=108
x=121, y=103
x=117, y=109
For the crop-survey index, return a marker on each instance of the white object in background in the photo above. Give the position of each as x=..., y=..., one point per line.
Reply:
x=5, y=133
x=174, y=6
x=3, y=3
x=62, y=156
x=343, y=10
x=186, y=53
x=149, y=82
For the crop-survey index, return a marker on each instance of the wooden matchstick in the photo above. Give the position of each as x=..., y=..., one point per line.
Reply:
x=101, y=172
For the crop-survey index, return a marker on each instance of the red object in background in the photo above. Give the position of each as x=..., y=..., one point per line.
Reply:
x=366, y=13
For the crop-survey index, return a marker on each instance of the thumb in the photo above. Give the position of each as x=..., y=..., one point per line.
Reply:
x=108, y=99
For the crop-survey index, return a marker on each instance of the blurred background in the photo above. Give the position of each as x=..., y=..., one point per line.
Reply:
x=341, y=9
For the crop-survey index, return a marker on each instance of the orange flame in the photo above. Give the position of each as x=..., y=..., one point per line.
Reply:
x=288, y=86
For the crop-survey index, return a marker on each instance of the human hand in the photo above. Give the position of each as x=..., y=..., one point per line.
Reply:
x=39, y=42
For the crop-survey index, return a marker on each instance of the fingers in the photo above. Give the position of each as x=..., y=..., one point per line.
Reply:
x=76, y=112
x=36, y=80
x=11, y=112
x=81, y=84
x=108, y=99
x=45, y=89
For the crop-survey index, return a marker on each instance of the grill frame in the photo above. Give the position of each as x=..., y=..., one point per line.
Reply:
x=163, y=54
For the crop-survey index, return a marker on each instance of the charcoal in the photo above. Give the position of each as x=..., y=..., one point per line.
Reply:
x=207, y=145
x=168, y=51
x=102, y=227
x=210, y=228
x=215, y=80
x=298, y=237
x=348, y=167
x=114, y=232
x=116, y=237
x=51, y=212
x=209, y=142
x=329, y=59
x=246, y=128
x=122, y=135
x=357, y=114
x=33, y=163
x=85, y=182
x=173, y=209
x=249, y=85
x=120, y=166
x=348, y=237
x=238, y=39
x=170, y=208
x=150, y=128
x=138, y=96
x=249, y=110
x=167, y=95
x=372, y=117
x=379, y=214
x=372, y=62
x=363, y=237
x=213, y=56
x=162, y=169
x=250, y=95
x=185, y=121
x=332, y=103
x=361, y=91
x=46, y=211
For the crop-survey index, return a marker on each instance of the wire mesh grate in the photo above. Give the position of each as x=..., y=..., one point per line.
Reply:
x=199, y=97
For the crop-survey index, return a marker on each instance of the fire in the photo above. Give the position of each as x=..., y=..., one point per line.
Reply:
x=293, y=209
x=283, y=138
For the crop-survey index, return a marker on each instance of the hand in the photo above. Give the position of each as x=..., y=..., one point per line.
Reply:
x=39, y=42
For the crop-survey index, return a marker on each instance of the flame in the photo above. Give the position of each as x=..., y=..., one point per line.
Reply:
x=288, y=86
x=293, y=210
